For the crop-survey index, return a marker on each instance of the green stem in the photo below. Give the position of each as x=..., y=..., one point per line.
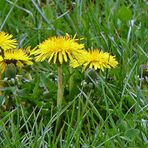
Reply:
x=60, y=90
x=59, y=101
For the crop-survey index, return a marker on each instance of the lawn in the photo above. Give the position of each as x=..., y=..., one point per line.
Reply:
x=46, y=102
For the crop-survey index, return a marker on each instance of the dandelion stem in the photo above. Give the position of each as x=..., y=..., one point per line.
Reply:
x=60, y=91
x=59, y=100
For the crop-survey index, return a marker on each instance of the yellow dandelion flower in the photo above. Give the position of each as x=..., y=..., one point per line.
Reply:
x=57, y=49
x=7, y=41
x=94, y=59
x=19, y=57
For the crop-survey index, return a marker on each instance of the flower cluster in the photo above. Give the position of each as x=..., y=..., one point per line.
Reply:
x=10, y=54
x=61, y=49
x=58, y=50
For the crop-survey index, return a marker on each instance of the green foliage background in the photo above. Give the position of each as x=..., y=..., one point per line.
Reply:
x=104, y=109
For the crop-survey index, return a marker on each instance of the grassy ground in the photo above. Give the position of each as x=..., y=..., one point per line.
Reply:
x=104, y=109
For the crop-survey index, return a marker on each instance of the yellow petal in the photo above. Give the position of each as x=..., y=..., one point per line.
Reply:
x=91, y=65
x=55, y=58
x=2, y=67
x=86, y=65
x=65, y=56
x=95, y=66
x=60, y=58
x=19, y=64
x=51, y=57
x=69, y=55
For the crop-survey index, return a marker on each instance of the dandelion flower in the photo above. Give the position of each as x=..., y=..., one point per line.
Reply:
x=94, y=59
x=57, y=49
x=7, y=41
x=16, y=56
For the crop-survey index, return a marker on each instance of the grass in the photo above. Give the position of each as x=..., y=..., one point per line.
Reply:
x=104, y=109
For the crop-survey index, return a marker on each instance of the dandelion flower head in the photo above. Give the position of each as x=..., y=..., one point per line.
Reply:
x=7, y=41
x=96, y=59
x=57, y=49
x=16, y=56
